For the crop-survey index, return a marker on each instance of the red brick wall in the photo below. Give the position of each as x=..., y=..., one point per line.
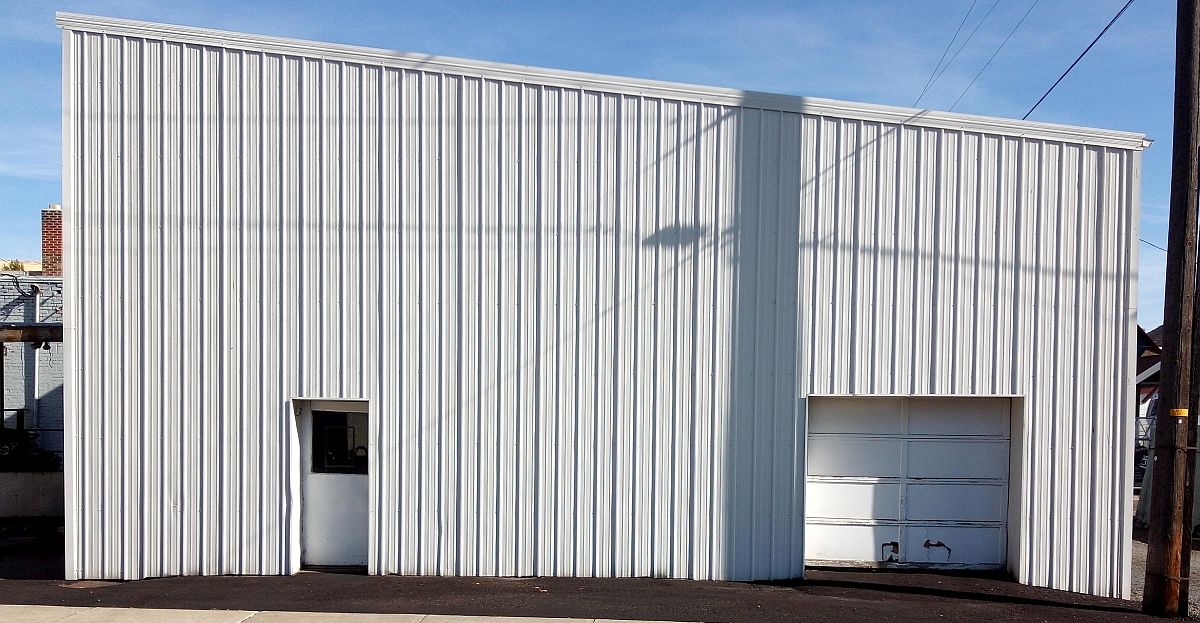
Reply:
x=52, y=241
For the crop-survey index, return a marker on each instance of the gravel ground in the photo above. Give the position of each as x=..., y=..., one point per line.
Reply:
x=1139, y=576
x=1139, y=570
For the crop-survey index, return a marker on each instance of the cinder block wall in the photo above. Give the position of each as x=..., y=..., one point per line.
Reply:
x=19, y=390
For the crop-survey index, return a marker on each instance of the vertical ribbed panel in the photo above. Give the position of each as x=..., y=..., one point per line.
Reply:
x=586, y=321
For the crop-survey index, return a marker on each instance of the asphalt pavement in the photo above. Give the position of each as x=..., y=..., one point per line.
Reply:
x=827, y=596
x=65, y=614
x=30, y=574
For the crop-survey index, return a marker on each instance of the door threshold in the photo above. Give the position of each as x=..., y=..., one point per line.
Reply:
x=343, y=569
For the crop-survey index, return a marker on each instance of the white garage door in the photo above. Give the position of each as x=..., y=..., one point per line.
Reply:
x=916, y=481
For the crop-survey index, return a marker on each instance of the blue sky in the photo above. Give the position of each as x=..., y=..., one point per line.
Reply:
x=863, y=51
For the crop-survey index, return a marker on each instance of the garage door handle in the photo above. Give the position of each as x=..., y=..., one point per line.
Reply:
x=895, y=547
x=929, y=544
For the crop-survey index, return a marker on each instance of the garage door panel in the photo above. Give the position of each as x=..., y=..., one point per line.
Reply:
x=855, y=456
x=935, y=458
x=850, y=543
x=877, y=416
x=853, y=500
x=958, y=416
x=955, y=502
x=954, y=545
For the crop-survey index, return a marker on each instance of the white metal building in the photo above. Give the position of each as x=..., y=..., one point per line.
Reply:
x=338, y=305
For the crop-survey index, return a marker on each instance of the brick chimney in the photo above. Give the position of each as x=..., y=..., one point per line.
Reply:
x=52, y=240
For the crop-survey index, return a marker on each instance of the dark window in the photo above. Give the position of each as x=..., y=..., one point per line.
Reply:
x=339, y=442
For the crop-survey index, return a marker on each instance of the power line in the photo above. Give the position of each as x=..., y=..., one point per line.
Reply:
x=1144, y=241
x=962, y=45
x=1085, y=51
x=933, y=73
x=993, y=57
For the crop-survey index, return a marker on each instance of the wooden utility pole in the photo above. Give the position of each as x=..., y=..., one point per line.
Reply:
x=1169, y=554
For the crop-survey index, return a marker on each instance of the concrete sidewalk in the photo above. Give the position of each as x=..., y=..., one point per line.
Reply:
x=67, y=614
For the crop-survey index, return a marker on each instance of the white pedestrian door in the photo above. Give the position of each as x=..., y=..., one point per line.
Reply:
x=907, y=481
x=334, y=489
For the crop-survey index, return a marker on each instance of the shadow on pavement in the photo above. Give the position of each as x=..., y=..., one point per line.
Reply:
x=31, y=553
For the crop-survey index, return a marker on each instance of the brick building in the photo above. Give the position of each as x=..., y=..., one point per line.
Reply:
x=33, y=377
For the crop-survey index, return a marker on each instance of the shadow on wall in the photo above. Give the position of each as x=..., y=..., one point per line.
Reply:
x=758, y=422
x=753, y=238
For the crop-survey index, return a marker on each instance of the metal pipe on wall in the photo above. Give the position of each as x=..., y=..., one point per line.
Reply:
x=3, y=351
x=35, y=399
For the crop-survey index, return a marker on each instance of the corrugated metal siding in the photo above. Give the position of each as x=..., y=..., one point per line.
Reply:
x=586, y=321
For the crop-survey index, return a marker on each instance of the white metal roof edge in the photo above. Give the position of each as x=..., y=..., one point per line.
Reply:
x=600, y=82
x=1148, y=372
